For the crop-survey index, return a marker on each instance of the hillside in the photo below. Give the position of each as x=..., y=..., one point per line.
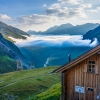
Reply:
x=7, y=64
x=95, y=33
x=52, y=56
x=27, y=84
x=7, y=31
x=68, y=29
x=9, y=53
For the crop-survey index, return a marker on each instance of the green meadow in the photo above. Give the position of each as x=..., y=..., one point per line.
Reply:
x=30, y=84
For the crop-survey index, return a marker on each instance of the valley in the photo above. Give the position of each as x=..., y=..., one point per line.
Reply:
x=49, y=49
x=45, y=53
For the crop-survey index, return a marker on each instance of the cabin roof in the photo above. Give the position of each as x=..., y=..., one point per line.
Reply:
x=78, y=60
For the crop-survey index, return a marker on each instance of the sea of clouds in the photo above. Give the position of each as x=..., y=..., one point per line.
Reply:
x=54, y=41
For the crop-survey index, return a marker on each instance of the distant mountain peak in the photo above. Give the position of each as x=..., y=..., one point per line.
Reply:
x=65, y=26
x=67, y=29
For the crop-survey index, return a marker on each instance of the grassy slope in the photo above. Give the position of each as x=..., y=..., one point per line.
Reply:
x=52, y=93
x=6, y=64
x=29, y=82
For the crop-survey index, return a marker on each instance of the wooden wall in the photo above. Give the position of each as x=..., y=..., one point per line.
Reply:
x=78, y=76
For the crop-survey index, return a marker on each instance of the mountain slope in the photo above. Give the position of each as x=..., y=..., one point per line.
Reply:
x=52, y=56
x=64, y=26
x=9, y=53
x=7, y=31
x=30, y=32
x=51, y=29
x=57, y=28
x=7, y=64
x=93, y=34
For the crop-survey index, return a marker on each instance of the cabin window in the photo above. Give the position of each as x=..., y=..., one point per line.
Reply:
x=91, y=67
x=90, y=89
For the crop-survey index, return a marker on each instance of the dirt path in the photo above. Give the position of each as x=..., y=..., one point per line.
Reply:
x=22, y=80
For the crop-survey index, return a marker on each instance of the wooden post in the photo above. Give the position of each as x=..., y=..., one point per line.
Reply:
x=85, y=86
x=63, y=89
x=99, y=75
x=79, y=95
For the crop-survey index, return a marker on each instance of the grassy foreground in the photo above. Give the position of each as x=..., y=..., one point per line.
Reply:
x=52, y=93
x=23, y=85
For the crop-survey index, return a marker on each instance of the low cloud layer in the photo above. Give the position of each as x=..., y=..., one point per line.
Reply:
x=52, y=41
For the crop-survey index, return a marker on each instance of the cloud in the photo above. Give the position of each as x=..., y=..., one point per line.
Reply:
x=4, y=17
x=52, y=11
x=52, y=41
x=44, y=5
x=92, y=10
x=74, y=2
x=66, y=12
x=85, y=5
x=55, y=5
x=98, y=8
x=36, y=19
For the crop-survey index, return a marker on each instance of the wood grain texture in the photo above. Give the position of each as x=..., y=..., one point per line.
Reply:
x=78, y=76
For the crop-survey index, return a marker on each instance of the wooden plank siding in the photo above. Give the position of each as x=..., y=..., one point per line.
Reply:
x=77, y=76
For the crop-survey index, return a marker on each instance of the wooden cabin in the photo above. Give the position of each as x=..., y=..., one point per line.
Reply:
x=81, y=77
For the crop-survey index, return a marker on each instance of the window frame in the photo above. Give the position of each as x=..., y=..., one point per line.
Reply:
x=91, y=89
x=91, y=68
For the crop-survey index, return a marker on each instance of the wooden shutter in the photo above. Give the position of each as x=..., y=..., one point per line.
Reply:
x=85, y=67
x=96, y=69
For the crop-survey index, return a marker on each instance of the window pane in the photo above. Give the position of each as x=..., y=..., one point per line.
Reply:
x=93, y=62
x=89, y=66
x=89, y=61
x=89, y=69
x=93, y=70
x=93, y=66
x=91, y=89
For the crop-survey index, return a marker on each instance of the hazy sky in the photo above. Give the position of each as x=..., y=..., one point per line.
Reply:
x=39, y=15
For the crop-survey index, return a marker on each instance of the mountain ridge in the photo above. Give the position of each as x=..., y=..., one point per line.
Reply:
x=68, y=29
x=95, y=33
x=9, y=31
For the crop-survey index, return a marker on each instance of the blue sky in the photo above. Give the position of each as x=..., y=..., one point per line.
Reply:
x=39, y=15
x=16, y=8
